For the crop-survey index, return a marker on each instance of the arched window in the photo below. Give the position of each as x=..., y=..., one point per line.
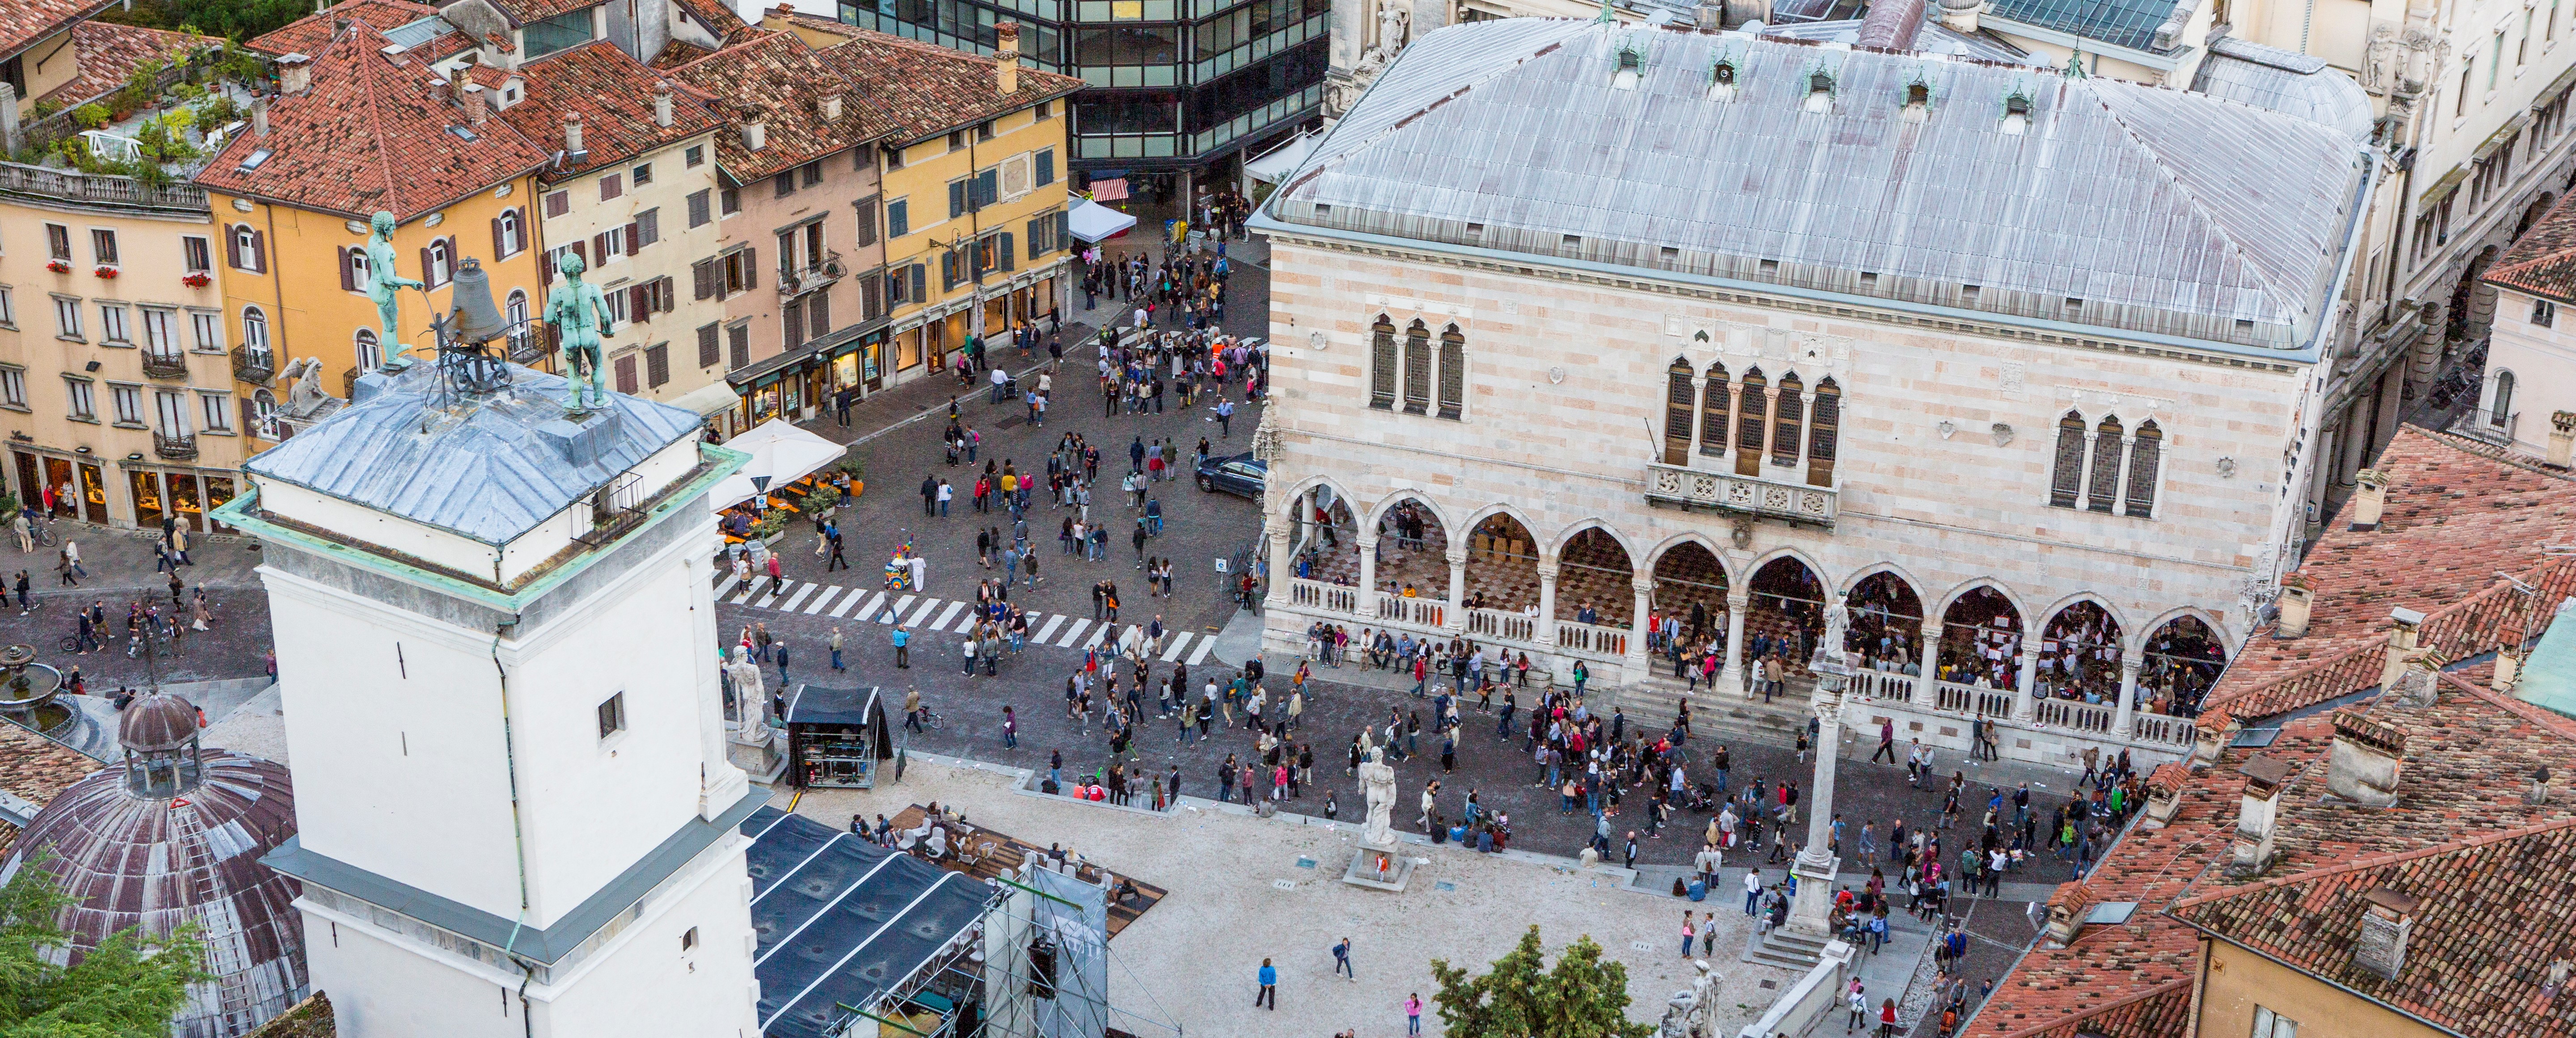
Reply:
x=2104, y=482
x=263, y=415
x=506, y=237
x=371, y=354
x=2066, y=476
x=1382, y=364
x=1713, y=412
x=516, y=312
x=254, y=330
x=439, y=261
x=1822, y=427
x=2144, y=455
x=1417, y=369
x=1791, y=410
x=1752, y=412
x=1453, y=372
x=1677, y=412
x=2501, y=412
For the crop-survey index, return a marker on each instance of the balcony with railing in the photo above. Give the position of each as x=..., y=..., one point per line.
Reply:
x=1592, y=640
x=2073, y=715
x=809, y=278
x=93, y=189
x=1502, y=625
x=1418, y=613
x=157, y=364
x=1883, y=685
x=180, y=447
x=528, y=340
x=254, y=364
x=1322, y=596
x=1758, y=496
x=1971, y=699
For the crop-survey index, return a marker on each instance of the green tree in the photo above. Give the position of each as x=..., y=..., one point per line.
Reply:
x=127, y=987
x=1582, y=997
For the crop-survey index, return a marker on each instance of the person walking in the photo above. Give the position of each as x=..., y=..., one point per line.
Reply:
x=930, y=493
x=1010, y=728
x=836, y=650
x=912, y=708
x=903, y=647
x=1224, y=418
x=1413, y=1013
x=1269, y=986
x=782, y=663
x=1342, y=960
x=1690, y=934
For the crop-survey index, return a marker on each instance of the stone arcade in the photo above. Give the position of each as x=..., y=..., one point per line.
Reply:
x=1580, y=325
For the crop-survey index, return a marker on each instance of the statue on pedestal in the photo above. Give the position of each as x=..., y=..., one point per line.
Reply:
x=383, y=282
x=581, y=319
x=1378, y=779
x=751, y=699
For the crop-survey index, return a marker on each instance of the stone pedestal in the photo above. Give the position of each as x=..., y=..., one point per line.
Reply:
x=1813, y=908
x=1379, y=868
x=758, y=755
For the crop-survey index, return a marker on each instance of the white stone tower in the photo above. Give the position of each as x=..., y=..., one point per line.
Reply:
x=495, y=638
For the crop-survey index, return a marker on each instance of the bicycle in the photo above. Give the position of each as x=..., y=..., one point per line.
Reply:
x=42, y=532
x=930, y=719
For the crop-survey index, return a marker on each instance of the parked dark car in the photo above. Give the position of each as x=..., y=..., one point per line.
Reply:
x=1241, y=474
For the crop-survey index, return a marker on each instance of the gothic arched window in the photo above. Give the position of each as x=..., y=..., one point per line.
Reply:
x=2104, y=482
x=2066, y=476
x=1822, y=428
x=1752, y=412
x=1417, y=369
x=1713, y=411
x=2144, y=455
x=1453, y=372
x=1677, y=412
x=1792, y=410
x=1382, y=364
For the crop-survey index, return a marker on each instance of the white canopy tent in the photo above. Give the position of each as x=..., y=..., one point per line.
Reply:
x=780, y=454
x=1275, y=166
x=1094, y=222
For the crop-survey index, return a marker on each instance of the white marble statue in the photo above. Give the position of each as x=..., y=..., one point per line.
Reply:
x=1378, y=778
x=1677, y=1014
x=1392, y=22
x=305, y=394
x=1703, y=1012
x=751, y=699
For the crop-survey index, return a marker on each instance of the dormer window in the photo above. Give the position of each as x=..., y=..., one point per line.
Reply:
x=2016, y=114
x=1631, y=66
x=1820, y=92
x=1721, y=82
x=1918, y=102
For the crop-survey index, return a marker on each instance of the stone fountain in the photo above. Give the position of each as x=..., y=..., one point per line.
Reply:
x=27, y=690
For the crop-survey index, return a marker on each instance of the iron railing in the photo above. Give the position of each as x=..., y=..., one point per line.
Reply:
x=182, y=447
x=165, y=365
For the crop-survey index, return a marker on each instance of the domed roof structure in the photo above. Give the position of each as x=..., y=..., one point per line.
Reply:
x=173, y=837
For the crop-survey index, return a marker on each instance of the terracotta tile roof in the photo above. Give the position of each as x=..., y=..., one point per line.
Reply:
x=716, y=15
x=310, y=1018
x=109, y=53
x=778, y=77
x=309, y=34
x=2489, y=914
x=24, y=23
x=929, y=89
x=677, y=53
x=34, y=768
x=521, y=12
x=2454, y=518
x=613, y=94
x=2542, y=261
x=371, y=134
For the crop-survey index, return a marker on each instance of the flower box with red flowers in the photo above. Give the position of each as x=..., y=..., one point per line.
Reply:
x=198, y=279
x=105, y=273
x=59, y=266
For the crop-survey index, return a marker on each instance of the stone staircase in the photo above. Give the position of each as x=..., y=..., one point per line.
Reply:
x=1789, y=949
x=1716, y=713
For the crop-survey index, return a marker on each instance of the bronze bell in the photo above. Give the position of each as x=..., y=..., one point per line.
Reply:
x=474, y=321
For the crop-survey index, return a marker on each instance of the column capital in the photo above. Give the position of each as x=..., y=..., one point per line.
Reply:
x=1457, y=556
x=1367, y=540
x=1643, y=585
x=1279, y=532
x=1547, y=570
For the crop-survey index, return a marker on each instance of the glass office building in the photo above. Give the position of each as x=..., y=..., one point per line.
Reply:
x=1174, y=84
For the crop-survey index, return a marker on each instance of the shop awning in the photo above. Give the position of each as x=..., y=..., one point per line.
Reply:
x=1283, y=160
x=819, y=346
x=780, y=454
x=1094, y=222
x=1109, y=190
x=709, y=400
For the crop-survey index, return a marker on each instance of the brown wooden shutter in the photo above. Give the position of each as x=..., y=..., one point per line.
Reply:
x=259, y=252
x=348, y=272
x=634, y=239
x=667, y=292
x=546, y=268
x=250, y=414
x=424, y=270
x=599, y=249
x=657, y=364
x=708, y=353
x=750, y=269
x=497, y=250
x=793, y=320
x=639, y=308
x=626, y=373
x=702, y=274
x=821, y=319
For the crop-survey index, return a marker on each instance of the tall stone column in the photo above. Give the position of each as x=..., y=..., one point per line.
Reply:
x=1736, y=603
x=2130, y=664
x=1368, y=575
x=1545, y=632
x=1634, y=665
x=1812, y=912
x=1454, y=619
x=1281, y=567
x=1927, y=656
x=2025, y=698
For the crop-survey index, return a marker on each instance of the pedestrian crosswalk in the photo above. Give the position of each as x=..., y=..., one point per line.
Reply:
x=927, y=613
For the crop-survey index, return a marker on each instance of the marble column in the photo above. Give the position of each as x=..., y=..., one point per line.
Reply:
x=1368, y=575
x=2024, y=701
x=2130, y=664
x=1281, y=566
x=1737, y=602
x=1812, y=912
x=1635, y=664
x=1454, y=618
x=1545, y=631
x=1926, y=657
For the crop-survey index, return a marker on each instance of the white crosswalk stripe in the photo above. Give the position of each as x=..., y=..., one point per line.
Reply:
x=895, y=612
x=748, y=590
x=772, y=596
x=727, y=587
x=1079, y=625
x=1048, y=631
x=819, y=603
x=1205, y=644
x=875, y=609
x=789, y=606
x=917, y=615
x=1180, y=641
x=844, y=608
x=954, y=608
x=1098, y=636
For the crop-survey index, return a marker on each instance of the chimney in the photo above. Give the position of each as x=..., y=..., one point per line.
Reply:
x=572, y=134
x=2164, y=794
x=2386, y=920
x=452, y=88
x=10, y=135
x=2508, y=669
x=476, y=105
x=2370, y=500
x=2538, y=794
x=831, y=108
x=2067, y=908
x=2297, y=598
x=1961, y=15
x=662, y=104
x=295, y=74
x=755, y=128
x=1006, y=58
x=1891, y=26
x=2562, y=439
x=2368, y=753
x=2404, y=624
x=2257, y=815
x=259, y=116
x=2212, y=731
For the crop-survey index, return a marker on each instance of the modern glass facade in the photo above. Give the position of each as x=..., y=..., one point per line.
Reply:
x=1174, y=84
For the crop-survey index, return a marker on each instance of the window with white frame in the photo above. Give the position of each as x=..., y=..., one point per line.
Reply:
x=371, y=354
x=114, y=324
x=2268, y=1024
x=254, y=330
x=2543, y=312
x=82, y=397
x=128, y=401
x=161, y=331
x=8, y=308
x=199, y=253
x=58, y=242
x=207, y=327
x=102, y=246
x=67, y=318
x=263, y=415
x=170, y=412
x=442, y=263
x=218, y=409
x=13, y=388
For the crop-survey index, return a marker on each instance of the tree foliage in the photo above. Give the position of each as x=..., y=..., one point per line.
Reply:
x=1582, y=997
x=236, y=19
x=127, y=987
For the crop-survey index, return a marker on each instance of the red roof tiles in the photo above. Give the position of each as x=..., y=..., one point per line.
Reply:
x=34, y=768
x=929, y=90
x=309, y=34
x=613, y=95
x=371, y=134
x=25, y=23
x=775, y=78
x=2542, y=261
x=109, y=53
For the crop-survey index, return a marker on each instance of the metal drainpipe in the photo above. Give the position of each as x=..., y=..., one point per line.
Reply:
x=518, y=831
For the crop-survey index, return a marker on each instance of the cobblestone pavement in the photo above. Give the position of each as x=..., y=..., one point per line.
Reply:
x=121, y=571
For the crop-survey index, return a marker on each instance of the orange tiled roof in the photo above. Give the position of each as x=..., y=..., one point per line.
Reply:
x=109, y=53
x=613, y=94
x=34, y=768
x=2542, y=261
x=929, y=89
x=371, y=134
x=778, y=77
x=309, y=34
x=677, y=53
x=717, y=15
x=25, y=23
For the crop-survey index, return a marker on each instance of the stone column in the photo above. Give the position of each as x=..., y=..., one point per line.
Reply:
x=1368, y=575
x=1635, y=664
x=1736, y=603
x=1454, y=619
x=2025, y=700
x=1545, y=632
x=1812, y=912
x=1281, y=568
x=1927, y=651
x=2130, y=664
